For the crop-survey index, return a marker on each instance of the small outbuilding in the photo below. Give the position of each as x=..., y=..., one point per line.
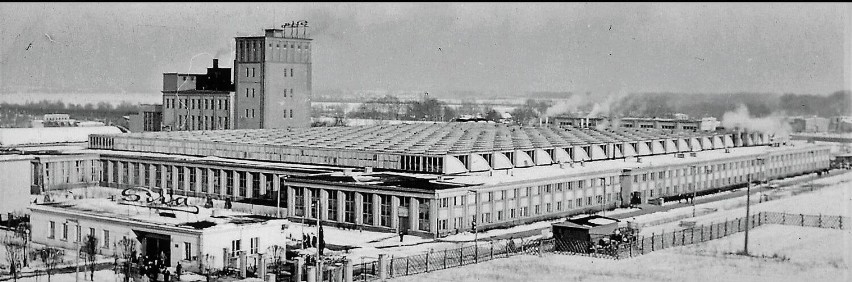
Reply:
x=583, y=230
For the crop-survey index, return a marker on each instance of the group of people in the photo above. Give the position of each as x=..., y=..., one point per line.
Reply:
x=155, y=270
x=309, y=241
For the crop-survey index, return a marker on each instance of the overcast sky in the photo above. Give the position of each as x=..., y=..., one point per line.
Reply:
x=517, y=47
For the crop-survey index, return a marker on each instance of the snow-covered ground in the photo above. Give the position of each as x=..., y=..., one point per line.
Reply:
x=814, y=255
x=835, y=199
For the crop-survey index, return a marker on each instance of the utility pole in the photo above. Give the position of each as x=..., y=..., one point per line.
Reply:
x=475, y=219
x=319, y=240
x=695, y=185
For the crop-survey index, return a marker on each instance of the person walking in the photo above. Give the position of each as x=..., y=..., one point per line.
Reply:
x=178, y=269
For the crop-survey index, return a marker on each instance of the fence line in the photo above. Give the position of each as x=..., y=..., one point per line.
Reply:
x=489, y=250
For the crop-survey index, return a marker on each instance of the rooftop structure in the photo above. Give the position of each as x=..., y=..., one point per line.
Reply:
x=12, y=137
x=445, y=148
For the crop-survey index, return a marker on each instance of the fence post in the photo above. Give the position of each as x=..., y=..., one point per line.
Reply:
x=383, y=269
x=427, y=260
x=783, y=218
x=461, y=256
x=406, y=266
x=492, y=249
x=760, y=218
x=445, y=259
x=820, y=220
x=841, y=222
x=674, y=238
x=540, y=246
x=803, y=219
x=726, y=227
x=711, y=230
x=652, y=241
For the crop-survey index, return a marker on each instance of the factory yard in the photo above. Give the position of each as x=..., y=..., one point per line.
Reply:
x=803, y=254
x=778, y=252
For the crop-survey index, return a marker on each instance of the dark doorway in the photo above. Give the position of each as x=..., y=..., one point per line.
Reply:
x=636, y=198
x=155, y=246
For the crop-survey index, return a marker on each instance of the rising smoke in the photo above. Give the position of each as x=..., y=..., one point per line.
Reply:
x=773, y=125
x=601, y=105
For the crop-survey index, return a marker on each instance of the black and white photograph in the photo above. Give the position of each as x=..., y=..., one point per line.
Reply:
x=425, y=141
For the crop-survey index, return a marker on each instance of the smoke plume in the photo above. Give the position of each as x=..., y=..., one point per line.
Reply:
x=773, y=124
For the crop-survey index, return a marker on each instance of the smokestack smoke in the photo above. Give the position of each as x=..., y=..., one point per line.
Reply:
x=773, y=125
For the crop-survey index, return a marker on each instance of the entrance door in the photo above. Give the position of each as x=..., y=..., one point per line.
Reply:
x=155, y=246
x=636, y=198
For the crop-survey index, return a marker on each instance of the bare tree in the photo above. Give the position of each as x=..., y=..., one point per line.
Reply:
x=51, y=258
x=125, y=249
x=14, y=247
x=90, y=252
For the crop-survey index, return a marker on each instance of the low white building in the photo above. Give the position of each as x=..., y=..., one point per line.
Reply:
x=195, y=237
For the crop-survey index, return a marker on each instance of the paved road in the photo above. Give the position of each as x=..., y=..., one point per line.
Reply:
x=652, y=209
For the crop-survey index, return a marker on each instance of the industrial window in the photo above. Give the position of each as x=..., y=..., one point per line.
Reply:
x=349, y=206
x=332, y=205
x=254, y=245
x=192, y=179
x=180, y=174
x=204, y=180
x=384, y=210
x=243, y=183
x=65, y=231
x=285, y=93
x=236, y=245
x=52, y=232
x=106, y=238
x=247, y=92
x=559, y=205
x=252, y=92
x=252, y=113
x=291, y=72
x=247, y=72
x=299, y=201
x=292, y=94
x=187, y=251
x=255, y=184
x=367, y=209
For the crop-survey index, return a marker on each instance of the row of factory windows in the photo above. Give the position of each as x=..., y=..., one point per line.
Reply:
x=246, y=184
x=485, y=197
x=524, y=210
x=199, y=103
x=193, y=122
x=65, y=172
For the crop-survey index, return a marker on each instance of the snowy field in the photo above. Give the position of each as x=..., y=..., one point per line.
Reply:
x=812, y=255
x=835, y=199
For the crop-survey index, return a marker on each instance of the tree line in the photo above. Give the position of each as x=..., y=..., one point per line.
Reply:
x=20, y=115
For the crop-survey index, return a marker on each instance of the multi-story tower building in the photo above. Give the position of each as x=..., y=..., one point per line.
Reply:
x=272, y=76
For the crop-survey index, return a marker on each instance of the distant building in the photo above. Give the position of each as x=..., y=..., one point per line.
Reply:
x=273, y=81
x=61, y=120
x=840, y=124
x=809, y=124
x=196, y=101
x=149, y=118
x=704, y=124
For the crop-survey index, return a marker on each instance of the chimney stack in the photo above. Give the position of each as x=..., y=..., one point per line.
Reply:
x=215, y=63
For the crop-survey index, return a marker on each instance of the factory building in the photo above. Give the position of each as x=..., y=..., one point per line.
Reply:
x=704, y=124
x=436, y=179
x=198, y=101
x=273, y=75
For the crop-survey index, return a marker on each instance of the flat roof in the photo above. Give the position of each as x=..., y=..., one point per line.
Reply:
x=122, y=210
x=423, y=138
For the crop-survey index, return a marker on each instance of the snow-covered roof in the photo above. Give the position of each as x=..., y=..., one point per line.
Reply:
x=10, y=137
x=205, y=219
